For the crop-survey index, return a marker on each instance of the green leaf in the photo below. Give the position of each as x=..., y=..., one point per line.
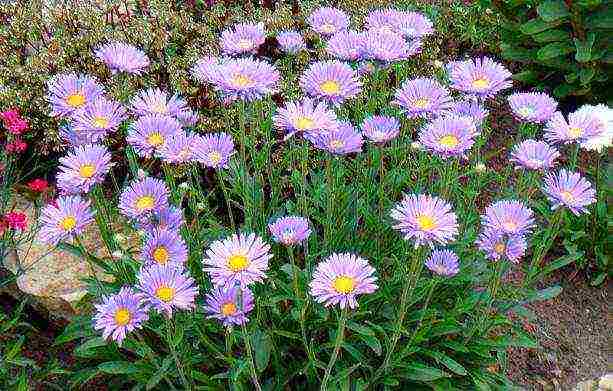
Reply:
x=536, y=26
x=88, y=348
x=420, y=372
x=118, y=367
x=515, y=53
x=262, y=345
x=155, y=379
x=447, y=361
x=366, y=335
x=586, y=75
x=528, y=77
x=561, y=262
x=601, y=20
x=544, y=294
x=554, y=35
x=563, y=90
x=83, y=376
x=598, y=279
x=584, y=48
x=552, y=10
x=552, y=50
x=79, y=327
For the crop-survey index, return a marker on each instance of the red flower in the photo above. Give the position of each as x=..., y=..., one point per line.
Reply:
x=16, y=146
x=16, y=220
x=18, y=126
x=38, y=185
x=10, y=116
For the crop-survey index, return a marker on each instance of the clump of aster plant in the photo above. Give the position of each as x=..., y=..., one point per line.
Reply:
x=331, y=81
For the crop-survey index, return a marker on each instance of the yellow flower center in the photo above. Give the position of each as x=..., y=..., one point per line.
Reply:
x=215, y=157
x=155, y=139
x=160, y=108
x=575, y=132
x=425, y=222
x=68, y=223
x=303, y=123
x=160, y=255
x=337, y=144
x=245, y=44
x=509, y=226
x=500, y=248
x=76, y=100
x=100, y=122
x=165, y=293
x=481, y=82
x=525, y=111
x=344, y=284
x=228, y=309
x=122, y=317
x=238, y=262
x=241, y=80
x=421, y=103
x=87, y=170
x=145, y=203
x=330, y=87
x=567, y=196
x=328, y=28
x=449, y=141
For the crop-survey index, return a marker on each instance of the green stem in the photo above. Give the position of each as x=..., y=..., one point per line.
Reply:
x=173, y=352
x=574, y=155
x=340, y=334
x=151, y=358
x=254, y=375
x=423, y=311
x=243, y=140
x=90, y=264
x=330, y=221
x=227, y=199
x=550, y=236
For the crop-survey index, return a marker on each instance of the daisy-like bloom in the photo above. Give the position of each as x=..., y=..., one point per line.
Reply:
x=580, y=127
x=205, y=68
x=536, y=107
x=328, y=20
x=511, y=217
x=164, y=247
x=569, y=189
x=290, y=230
x=70, y=92
x=68, y=134
x=382, y=19
x=469, y=108
x=166, y=287
x=340, y=279
x=380, y=128
x=121, y=57
x=214, y=150
x=151, y=132
x=426, y=219
x=82, y=168
x=422, y=97
x=341, y=141
x=99, y=118
x=64, y=219
x=180, y=148
x=448, y=136
x=305, y=116
x=482, y=77
x=120, y=314
x=243, y=38
x=144, y=197
x=346, y=45
x=443, y=262
x=331, y=81
x=291, y=42
x=241, y=259
x=386, y=47
x=156, y=101
x=534, y=155
x=229, y=305
x=188, y=117
x=604, y=115
x=497, y=245
x=245, y=79
x=409, y=24
x=170, y=219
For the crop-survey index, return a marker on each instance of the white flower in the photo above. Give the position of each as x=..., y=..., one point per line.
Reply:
x=480, y=167
x=416, y=145
x=604, y=115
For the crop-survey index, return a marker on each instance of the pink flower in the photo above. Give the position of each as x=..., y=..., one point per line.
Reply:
x=16, y=220
x=16, y=146
x=18, y=126
x=38, y=185
x=10, y=116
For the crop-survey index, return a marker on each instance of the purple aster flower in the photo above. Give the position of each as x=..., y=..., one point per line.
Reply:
x=340, y=278
x=166, y=287
x=604, y=116
x=164, y=247
x=569, y=189
x=243, y=38
x=444, y=263
x=534, y=155
x=69, y=135
x=469, y=108
x=426, y=219
x=290, y=230
x=229, y=305
x=346, y=45
x=305, y=116
x=241, y=259
x=422, y=97
x=179, y=148
x=205, y=69
x=509, y=217
x=245, y=79
x=498, y=245
x=82, y=168
x=121, y=57
x=328, y=20
x=156, y=101
x=143, y=197
x=98, y=118
x=214, y=150
x=482, y=77
x=448, y=136
x=341, y=141
x=331, y=81
x=291, y=42
x=380, y=128
x=64, y=219
x=382, y=20
x=580, y=127
x=170, y=219
x=70, y=92
x=536, y=107
x=386, y=47
x=409, y=24
x=120, y=314
x=188, y=117
x=151, y=132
